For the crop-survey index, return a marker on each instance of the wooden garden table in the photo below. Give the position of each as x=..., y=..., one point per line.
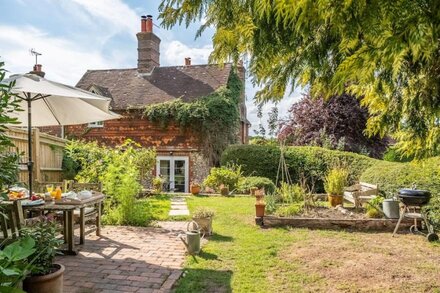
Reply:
x=68, y=208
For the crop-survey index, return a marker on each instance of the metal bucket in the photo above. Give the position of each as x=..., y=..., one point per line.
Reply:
x=391, y=208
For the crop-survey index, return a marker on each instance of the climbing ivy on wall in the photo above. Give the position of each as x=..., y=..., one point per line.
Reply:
x=215, y=117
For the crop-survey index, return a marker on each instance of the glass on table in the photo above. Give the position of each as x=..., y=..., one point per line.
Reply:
x=49, y=187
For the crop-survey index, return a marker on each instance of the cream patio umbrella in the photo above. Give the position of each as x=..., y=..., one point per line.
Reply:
x=52, y=103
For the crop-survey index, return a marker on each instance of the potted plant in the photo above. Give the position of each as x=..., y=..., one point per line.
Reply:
x=253, y=190
x=203, y=217
x=195, y=188
x=45, y=276
x=334, y=184
x=259, y=194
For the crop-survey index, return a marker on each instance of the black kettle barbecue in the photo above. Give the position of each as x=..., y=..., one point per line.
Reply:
x=413, y=200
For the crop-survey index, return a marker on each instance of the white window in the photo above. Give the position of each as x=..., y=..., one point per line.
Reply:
x=174, y=170
x=96, y=124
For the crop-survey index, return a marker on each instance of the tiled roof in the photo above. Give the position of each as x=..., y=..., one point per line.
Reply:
x=129, y=88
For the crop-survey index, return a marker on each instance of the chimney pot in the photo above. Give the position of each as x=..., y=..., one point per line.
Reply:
x=143, y=23
x=187, y=61
x=37, y=70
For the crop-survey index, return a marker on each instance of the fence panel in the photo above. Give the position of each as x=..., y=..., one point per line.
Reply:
x=47, y=153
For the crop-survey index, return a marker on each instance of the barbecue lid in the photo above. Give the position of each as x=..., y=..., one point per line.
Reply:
x=414, y=192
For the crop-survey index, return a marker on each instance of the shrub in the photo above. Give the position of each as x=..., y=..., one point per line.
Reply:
x=227, y=176
x=253, y=181
x=391, y=177
x=288, y=193
x=335, y=181
x=312, y=163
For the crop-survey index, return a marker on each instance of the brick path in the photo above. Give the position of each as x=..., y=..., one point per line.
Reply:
x=127, y=259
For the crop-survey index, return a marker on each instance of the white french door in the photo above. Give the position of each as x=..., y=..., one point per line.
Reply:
x=174, y=170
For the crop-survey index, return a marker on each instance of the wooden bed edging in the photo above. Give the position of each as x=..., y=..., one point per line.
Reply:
x=333, y=224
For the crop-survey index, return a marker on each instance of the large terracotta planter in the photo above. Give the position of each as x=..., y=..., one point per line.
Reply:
x=259, y=210
x=52, y=283
x=205, y=224
x=195, y=189
x=335, y=200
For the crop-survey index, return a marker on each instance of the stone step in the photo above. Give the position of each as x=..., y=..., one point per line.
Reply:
x=179, y=213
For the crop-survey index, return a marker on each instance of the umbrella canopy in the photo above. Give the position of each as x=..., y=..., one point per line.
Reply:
x=52, y=103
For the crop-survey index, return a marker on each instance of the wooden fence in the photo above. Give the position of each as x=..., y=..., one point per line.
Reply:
x=47, y=154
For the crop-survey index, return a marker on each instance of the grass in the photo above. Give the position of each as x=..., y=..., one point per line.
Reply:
x=241, y=257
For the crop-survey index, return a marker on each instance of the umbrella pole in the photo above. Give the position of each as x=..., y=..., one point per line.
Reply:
x=30, y=163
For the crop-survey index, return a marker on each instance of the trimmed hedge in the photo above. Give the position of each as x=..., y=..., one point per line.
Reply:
x=313, y=162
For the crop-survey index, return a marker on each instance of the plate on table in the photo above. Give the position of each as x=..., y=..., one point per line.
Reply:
x=28, y=203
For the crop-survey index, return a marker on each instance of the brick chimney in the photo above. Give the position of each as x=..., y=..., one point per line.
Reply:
x=37, y=70
x=187, y=61
x=148, y=46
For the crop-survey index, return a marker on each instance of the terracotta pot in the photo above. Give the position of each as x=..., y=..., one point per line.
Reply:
x=259, y=210
x=224, y=191
x=253, y=189
x=52, y=282
x=335, y=200
x=205, y=224
x=195, y=189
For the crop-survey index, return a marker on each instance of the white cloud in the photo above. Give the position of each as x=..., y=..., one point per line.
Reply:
x=175, y=52
x=114, y=12
x=62, y=59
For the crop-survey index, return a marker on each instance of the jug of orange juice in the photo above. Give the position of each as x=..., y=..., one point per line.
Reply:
x=58, y=193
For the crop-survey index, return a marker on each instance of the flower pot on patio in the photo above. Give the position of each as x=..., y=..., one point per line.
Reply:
x=52, y=282
x=259, y=209
x=335, y=200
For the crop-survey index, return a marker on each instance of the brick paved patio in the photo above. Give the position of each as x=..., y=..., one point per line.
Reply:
x=127, y=259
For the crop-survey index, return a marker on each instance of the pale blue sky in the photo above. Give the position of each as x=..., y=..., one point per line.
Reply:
x=76, y=35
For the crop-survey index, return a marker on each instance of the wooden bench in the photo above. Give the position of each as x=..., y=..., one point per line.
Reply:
x=360, y=193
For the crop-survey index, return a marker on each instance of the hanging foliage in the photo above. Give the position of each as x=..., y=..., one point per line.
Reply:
x=215, y=117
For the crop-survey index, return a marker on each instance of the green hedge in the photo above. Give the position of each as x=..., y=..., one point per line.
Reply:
x=313, y=162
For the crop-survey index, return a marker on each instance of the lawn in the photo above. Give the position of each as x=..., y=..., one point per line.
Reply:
x=241, y=257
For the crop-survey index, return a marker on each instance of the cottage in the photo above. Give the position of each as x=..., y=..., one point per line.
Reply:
x=182, y=152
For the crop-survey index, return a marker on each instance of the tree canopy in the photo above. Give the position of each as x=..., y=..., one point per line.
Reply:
x=386, y=51
x=336, y=123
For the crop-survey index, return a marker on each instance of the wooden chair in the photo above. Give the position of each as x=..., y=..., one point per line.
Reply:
x=11, y=219
x=360, y=193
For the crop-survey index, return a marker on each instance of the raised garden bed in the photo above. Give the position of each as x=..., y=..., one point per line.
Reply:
x=334, y=219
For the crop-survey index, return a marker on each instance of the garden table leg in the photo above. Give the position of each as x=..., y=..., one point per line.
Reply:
x=69, y=232
x=98, y=219
x=81, y=225
x=65, y=226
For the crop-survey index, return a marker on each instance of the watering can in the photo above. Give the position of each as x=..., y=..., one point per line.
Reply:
x=192, y=238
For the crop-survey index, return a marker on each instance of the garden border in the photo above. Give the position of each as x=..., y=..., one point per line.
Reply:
x=333, y=224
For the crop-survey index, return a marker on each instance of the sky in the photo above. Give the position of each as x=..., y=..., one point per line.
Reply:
x=76, y=35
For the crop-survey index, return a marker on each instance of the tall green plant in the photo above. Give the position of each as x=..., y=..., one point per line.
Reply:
x=336, y=180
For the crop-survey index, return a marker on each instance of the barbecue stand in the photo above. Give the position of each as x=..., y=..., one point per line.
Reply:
x=413, y=200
